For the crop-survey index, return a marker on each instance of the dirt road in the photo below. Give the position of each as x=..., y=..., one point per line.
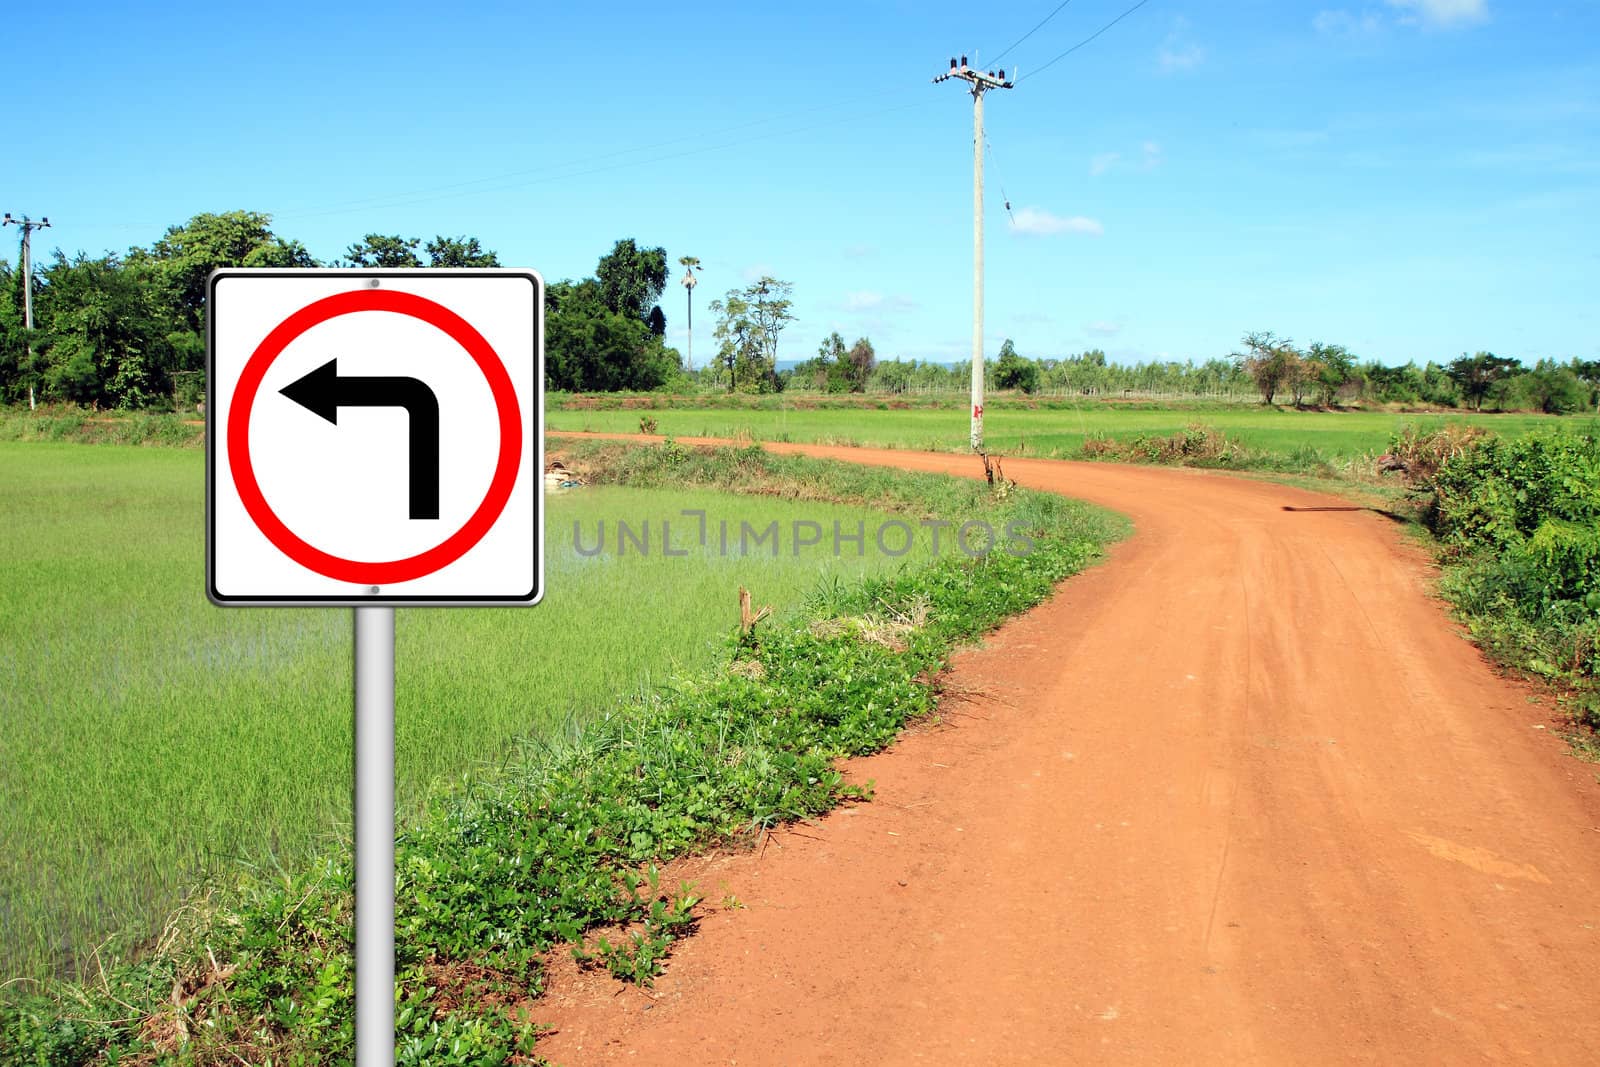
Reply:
x=1241, y=794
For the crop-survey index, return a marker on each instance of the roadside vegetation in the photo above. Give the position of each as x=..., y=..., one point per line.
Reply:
x=559, y=850
x=1517, y=523
x=153, y=741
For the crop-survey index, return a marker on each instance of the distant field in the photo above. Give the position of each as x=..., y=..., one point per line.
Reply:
x=147, y=737
x=1335, y=435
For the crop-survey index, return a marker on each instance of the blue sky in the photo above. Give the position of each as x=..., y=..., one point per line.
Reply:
x=1411, y=178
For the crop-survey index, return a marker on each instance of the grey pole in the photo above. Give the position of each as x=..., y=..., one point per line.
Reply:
x=374, y=831
x=688, y=282
x=981, y=83
x=27, y=226
x=27, y=303
x=977, y=267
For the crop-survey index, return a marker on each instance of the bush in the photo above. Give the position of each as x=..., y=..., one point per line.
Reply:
x=1498, y=493
x=1520, y=526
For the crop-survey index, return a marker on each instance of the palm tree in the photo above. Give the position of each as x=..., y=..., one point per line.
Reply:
x=689, y=264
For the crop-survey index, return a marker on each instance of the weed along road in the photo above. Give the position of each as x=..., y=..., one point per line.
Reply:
x=1241, y=794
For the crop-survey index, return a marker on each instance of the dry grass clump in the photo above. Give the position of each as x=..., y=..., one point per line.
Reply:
x=1418, y=454
x=1194, y=443
x=892, y=628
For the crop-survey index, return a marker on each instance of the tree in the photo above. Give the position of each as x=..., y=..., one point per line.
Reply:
x=738, y=337
x=1268, y=360
x=186, y=255
x=1477, y=374
x=892, y=376
x=769, y=306
x=1588, y=372
x=589, y=347
x=103, y=335
x=377, y=250
x=1554, y=388
x=1013, y=371
x=631, y=280
x=858, y=365
x=821, y=371
x=459, y=253
x=1331, y=367
x=1300, y=375
x=749, y=322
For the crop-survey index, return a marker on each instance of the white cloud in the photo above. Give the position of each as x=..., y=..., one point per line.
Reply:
x=1342, y=23
x=1443, y=13
x=1178, y=53
x=756, y=271
x=1106, y=162
x=867, y=300
x=860, y=251
x=1102, y=328
x=1430, y=14
x=1038, y=222
x=1181, y=57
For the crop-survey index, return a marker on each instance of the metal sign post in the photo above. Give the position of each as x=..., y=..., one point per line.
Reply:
x=374, y=827
x=374, y=440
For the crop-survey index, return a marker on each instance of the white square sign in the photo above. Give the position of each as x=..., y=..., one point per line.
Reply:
x=374, y=437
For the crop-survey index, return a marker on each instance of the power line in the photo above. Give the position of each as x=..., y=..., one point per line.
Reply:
x=1031, y=32
x=1085, y=41
x=999, y=179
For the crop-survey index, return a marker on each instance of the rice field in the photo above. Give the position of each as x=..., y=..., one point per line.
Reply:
x=1058, y=431
x=149, y=740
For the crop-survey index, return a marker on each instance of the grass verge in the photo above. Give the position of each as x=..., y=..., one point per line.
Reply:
x=566, y=841
x=152, y=741
x=68, y=422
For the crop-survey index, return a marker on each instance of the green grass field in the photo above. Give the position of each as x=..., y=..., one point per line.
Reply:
x=1048, y=432
x=148, y=738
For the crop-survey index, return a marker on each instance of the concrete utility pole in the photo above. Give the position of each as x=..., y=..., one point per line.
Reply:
x=28, y=226
x=981, y=83
x=689, y=281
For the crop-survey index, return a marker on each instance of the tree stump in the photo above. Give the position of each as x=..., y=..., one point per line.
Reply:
x=747, y=618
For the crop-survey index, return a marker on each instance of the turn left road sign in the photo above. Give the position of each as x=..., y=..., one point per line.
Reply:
x=374, y=437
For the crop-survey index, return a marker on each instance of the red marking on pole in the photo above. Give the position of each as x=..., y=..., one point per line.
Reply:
x=449, y=550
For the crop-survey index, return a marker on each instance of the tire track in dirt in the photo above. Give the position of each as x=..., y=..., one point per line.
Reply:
x=1241, y=794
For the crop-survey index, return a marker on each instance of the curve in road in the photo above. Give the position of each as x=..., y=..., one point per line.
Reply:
x=1241, y=794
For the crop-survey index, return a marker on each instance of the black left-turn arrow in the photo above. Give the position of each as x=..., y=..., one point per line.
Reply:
x=324, y=392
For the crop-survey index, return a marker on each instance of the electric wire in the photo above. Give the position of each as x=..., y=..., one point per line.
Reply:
x=504, y=182
x=999, y=178
x=1031, y=32
x=1080, y=44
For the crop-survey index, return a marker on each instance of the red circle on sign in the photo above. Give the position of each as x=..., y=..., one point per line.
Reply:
x=451, y=548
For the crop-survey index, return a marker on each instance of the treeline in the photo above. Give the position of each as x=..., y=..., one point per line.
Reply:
x=127, y=330
x=1272, y=368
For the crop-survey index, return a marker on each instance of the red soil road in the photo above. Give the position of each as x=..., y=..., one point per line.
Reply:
x=1241, y=794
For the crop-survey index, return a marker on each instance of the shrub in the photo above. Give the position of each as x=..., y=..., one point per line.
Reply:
x=1498, y=493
